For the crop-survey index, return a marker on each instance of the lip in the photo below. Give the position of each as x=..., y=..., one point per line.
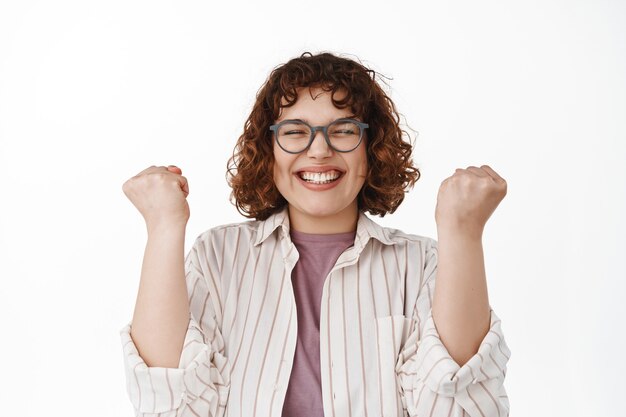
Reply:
x=318, y=168
x=319, y=187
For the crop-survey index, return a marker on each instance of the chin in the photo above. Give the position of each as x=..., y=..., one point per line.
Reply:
x=319, y=209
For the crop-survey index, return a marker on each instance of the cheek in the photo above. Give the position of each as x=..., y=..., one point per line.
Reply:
x=277, y=174
x=281, y=168
x=277, y=162
x=361, y=163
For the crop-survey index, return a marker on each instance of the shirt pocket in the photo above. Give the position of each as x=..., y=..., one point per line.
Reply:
x=391, y=334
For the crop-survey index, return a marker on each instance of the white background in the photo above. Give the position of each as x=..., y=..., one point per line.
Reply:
x=92, y=92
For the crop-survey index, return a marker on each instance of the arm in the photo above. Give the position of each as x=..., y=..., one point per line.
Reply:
x=198, y=383
x=162, y=310
x=432, y=382
x=461, y=309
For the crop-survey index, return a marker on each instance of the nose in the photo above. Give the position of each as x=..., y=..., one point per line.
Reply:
x=319, y=148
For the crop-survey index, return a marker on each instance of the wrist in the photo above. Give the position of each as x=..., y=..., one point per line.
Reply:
x=459, y=231
x=167, y=227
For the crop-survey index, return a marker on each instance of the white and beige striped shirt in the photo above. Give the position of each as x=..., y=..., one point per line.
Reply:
x=380, y=353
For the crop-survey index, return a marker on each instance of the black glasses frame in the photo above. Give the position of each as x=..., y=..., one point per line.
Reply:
x=324, y=129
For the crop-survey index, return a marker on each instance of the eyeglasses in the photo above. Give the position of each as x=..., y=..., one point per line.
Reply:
x=296, y=136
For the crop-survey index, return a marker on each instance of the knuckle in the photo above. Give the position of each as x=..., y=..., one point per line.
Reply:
x=159, y=176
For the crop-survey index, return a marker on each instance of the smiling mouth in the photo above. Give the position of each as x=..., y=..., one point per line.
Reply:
x=320, y=178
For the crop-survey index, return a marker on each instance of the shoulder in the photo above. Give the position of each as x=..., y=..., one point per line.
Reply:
x=397, y=235
x=423, y=246
x=222, y=230
x=414, y=248
x=403, y=238
x=244, y=234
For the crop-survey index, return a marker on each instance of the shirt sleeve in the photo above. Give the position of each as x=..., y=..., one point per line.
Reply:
x=201, y=383
x=432, y=383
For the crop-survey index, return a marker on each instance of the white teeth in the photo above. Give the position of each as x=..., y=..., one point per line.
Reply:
x=318, y=177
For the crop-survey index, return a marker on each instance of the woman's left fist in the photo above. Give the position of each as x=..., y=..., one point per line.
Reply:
x=467, y=199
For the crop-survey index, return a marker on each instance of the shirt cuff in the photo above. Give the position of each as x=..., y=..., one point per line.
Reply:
x=203, y=370
x=432, y=364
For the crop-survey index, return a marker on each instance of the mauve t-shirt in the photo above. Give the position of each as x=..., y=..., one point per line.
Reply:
x=318, y=254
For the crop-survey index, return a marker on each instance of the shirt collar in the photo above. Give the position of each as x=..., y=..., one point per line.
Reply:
x=366, y=228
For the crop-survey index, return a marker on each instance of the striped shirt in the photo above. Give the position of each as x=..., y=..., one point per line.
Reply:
x=380, y=353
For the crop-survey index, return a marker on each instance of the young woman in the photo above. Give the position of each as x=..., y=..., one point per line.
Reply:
x=312, y=308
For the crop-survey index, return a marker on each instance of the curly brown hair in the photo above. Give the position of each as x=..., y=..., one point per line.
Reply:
x=390, y=171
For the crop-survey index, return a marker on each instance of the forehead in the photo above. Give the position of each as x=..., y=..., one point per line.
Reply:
x=313, y=102
x=313, y=93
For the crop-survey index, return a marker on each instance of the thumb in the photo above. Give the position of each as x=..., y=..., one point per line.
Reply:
x=174, y=168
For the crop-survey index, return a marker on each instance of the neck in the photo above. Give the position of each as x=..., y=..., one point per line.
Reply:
x=342, y=222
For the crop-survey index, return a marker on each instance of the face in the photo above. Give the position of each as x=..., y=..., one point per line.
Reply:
x=336, y=200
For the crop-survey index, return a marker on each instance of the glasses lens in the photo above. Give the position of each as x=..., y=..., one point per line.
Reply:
x=344, y=135
x=294, y=136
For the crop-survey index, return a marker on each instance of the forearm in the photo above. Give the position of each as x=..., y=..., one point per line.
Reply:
x=460, y=310
x=161, y=314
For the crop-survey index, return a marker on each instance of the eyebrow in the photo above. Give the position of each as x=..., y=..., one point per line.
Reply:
x=351, y=116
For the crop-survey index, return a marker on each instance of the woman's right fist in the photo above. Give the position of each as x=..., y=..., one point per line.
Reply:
x=160, y=194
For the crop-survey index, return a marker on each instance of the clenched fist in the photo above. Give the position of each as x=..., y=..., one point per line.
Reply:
x=467, y=199
x=160, y=194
